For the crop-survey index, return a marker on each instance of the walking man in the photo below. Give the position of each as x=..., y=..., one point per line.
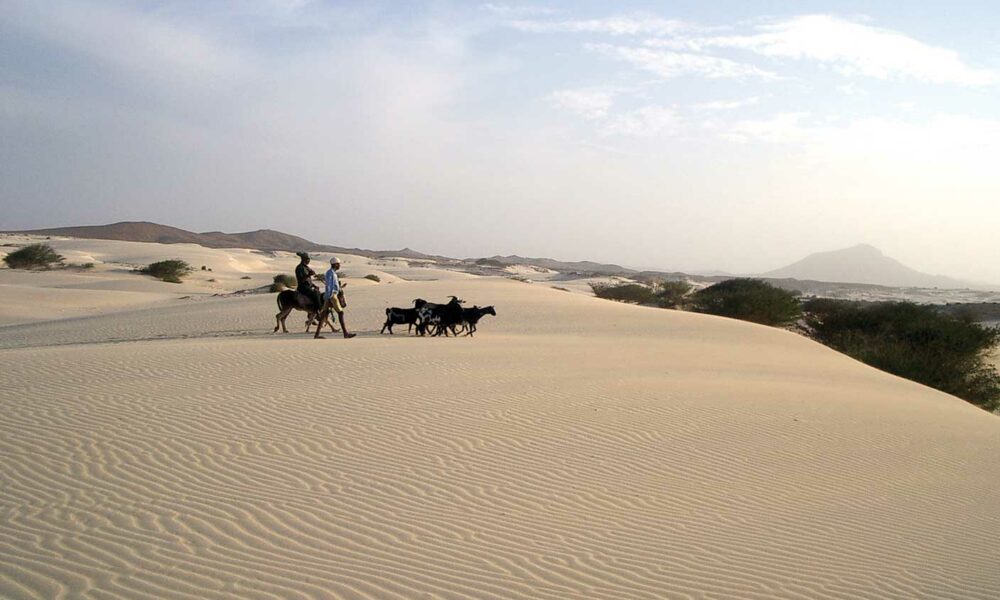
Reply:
x=334, y=298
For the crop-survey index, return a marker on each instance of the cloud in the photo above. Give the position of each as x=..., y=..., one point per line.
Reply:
x=784, y=128
x=146, y=44
x=643, y=122
x=585, y=103
x=507, y=10
x=852, y=48
x=668, y=64
x=626, y=25
x=726, y=104
x=969, y=143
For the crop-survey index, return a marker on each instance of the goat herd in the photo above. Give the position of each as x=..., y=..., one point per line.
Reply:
x=428, y=318
x=435, y=319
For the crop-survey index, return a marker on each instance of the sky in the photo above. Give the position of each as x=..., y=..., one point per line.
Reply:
x=733, y=136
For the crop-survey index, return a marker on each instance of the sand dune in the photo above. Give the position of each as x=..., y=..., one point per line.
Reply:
x=576, y=448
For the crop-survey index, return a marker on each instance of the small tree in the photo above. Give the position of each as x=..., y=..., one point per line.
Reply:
x=34, y=256
x=749, y=300
x=670, y=294
x=283, y=281
x=170, y=271
x=920, y=343
x=633, y=293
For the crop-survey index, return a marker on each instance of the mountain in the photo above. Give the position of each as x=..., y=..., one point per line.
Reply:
x=262, y=239
x=583, y=266
x=862, y=264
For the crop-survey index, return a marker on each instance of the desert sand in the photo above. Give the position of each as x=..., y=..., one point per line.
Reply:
x=158, y=441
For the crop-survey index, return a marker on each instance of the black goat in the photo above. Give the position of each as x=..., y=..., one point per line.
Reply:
x=450, y=317
x=439, y=318
x=471, y=316
x=401, y=316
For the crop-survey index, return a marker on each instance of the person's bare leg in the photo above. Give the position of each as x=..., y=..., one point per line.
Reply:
x=319, y=326
x=343, y=326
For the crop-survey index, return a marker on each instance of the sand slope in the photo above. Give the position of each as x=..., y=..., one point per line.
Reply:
x=576, y=448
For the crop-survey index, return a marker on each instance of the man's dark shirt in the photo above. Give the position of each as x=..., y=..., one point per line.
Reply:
x=304, y=275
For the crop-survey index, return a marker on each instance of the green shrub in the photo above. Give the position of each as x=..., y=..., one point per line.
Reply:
x=34, y=256
x=283, y=281
x=749, y=300
x=490, y=262
x=633, y=293
x=170, y=271
x=670, y=294
x=920, y=343
x=373, y=277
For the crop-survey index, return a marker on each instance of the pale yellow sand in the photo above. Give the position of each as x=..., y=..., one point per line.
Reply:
x=575, y=448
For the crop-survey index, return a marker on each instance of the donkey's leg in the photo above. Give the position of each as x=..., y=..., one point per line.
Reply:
x=281, y=319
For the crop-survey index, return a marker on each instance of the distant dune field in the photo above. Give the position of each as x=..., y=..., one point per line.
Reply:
x=160, y=442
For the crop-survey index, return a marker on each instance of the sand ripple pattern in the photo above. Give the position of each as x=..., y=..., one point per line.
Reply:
x=548, y=467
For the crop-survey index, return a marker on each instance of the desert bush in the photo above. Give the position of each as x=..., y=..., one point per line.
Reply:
x=246, y=277
x=633, y=293
x=373, y=277
x=34, y=256
x=920, y=343
x=670, y=294
x=490, y=262
x=283, y=281
x=170, y=271
x=749, y=300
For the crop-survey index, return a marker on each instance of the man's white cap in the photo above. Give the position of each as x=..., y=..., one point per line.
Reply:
x=334, y=260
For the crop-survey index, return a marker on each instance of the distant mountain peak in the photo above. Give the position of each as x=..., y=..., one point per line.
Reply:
x=863, y=264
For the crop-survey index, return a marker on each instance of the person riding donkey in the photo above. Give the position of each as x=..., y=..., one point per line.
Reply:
x=334, y=299
x=303, y=278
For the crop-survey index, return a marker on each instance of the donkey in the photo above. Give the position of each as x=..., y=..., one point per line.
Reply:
x=289, y=300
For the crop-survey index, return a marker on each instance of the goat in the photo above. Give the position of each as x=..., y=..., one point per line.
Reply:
x=424, y=310
x=400, y=316
x=447, y=317
x=471, y=316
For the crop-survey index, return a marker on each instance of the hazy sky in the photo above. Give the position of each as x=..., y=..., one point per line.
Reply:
x=681, y=135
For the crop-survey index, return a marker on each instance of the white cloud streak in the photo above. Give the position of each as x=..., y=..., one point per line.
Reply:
x=722, y=105
x=625, y=25
x=669, y=64
x=852, y=48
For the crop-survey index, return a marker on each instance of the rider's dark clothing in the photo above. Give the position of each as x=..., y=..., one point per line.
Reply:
x=303, y=276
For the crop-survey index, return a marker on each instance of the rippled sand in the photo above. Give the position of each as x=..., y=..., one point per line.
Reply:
x=575, y=448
